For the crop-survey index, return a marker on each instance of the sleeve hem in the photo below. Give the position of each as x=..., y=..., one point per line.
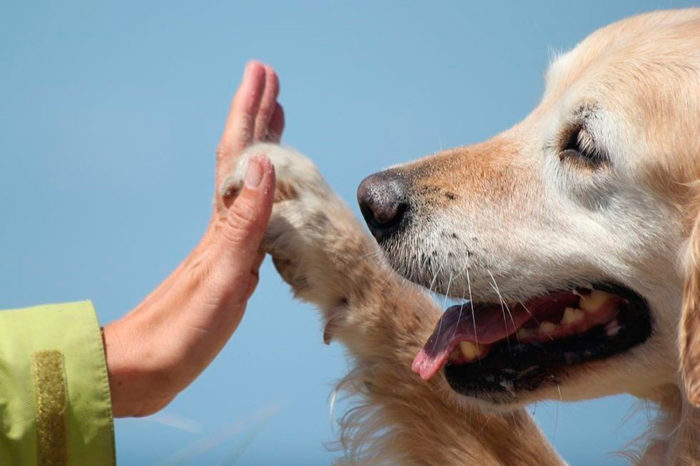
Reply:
x=70, y=334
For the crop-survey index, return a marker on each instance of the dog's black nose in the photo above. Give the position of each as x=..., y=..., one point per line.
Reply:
x=384, y=202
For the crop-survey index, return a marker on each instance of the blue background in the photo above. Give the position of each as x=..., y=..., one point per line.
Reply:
x=109, y=116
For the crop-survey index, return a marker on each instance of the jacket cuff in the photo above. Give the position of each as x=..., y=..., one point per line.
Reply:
x=55, y=405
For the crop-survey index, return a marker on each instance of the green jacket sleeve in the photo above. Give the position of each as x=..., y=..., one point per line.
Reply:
x=55, y=405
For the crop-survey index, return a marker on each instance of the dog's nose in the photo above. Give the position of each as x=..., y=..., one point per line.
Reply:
x=384, y=202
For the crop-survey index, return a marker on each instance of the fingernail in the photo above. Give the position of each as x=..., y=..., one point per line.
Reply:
x=255, y=172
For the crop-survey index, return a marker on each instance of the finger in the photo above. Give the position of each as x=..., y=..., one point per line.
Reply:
x=240, y=123
x=268, y=103
x=276, y=125
x=248, y=216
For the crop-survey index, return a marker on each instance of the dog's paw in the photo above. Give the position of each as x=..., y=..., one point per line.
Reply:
x=317, y=244
x=296, y=175
x=299, y=225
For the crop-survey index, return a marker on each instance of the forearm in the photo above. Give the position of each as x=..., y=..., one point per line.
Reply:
x=169, y=338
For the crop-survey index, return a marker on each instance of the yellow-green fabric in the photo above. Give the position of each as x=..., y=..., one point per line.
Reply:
x=55, y=405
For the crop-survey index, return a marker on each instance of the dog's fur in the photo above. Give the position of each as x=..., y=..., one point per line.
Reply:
x=512, y=218
x=323, y=252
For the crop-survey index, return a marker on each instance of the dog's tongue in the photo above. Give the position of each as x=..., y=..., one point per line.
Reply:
x=485, y=325
x=482, y=324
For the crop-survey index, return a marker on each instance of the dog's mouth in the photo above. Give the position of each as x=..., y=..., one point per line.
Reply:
x=511, y=347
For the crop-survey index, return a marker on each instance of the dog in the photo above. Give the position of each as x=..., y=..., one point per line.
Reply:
x=572, y=238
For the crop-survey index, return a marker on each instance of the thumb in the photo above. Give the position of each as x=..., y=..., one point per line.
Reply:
x=248, y=215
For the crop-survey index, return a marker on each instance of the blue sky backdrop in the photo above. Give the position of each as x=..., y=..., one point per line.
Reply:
x=109, y=116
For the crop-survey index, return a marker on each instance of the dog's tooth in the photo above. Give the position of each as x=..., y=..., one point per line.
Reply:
x=571, y=316
x=523, y=333
x=594, y=301
x=547, y=327
x=612, y=328
x=471, y=351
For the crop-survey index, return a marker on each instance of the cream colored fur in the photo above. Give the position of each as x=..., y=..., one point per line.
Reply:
x=526, y=219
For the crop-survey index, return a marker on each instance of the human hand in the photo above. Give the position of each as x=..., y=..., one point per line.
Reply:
x=163, y=344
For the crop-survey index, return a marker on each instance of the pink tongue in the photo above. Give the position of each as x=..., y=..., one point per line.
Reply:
x=487, y=324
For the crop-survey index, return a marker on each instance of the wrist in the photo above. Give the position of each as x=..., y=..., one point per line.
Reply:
x=160, y=347
x=143, y=347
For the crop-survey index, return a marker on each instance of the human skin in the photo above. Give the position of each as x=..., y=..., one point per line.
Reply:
x=158, y=348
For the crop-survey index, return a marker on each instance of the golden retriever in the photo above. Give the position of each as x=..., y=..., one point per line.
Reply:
x=572, y=238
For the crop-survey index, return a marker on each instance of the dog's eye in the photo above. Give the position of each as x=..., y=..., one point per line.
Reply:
x=580, y=147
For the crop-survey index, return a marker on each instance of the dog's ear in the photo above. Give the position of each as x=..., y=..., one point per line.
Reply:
x=690, y=318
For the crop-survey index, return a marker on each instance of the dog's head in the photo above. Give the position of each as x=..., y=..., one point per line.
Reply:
x=563, y=236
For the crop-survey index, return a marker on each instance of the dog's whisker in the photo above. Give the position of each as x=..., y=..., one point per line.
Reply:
x=504, y=306
x=471, y=303
x=532, y=316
